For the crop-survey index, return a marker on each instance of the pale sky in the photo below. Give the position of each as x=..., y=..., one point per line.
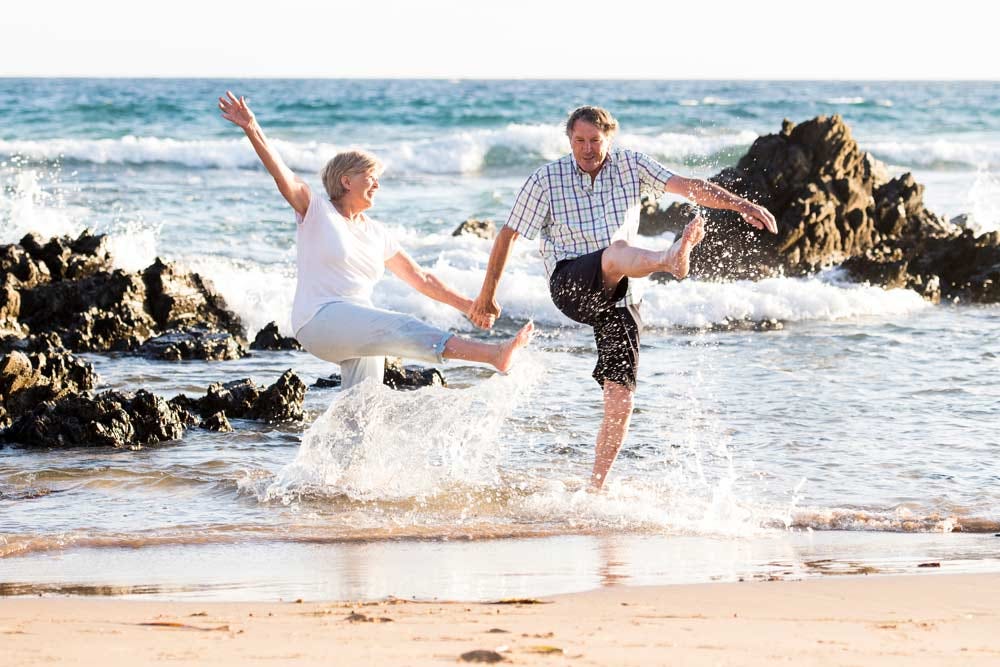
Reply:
x=713, y=39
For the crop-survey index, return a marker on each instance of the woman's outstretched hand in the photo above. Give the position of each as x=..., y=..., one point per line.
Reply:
x=236, y=110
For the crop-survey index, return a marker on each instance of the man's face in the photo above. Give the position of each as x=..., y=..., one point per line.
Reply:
x=590, y=146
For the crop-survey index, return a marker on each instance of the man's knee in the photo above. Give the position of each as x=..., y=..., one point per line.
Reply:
x=612, y=254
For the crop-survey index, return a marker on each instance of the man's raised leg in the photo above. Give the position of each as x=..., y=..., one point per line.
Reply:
x=614, y=428
x=622, y=260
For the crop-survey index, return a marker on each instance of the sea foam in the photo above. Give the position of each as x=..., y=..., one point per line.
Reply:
x=375, y=443
x=455, y=152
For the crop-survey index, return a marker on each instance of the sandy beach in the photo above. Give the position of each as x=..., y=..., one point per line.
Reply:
x=928, y=619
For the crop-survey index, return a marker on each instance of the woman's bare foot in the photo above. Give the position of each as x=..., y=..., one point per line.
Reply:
x=505, y=355
x=678, y=256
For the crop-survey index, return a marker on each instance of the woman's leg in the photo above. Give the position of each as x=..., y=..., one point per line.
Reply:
x=498, y=355
x=355, y=371
x=348, y=331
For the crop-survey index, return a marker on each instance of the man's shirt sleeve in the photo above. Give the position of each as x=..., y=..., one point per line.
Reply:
x=652, y=175
x=531, y=208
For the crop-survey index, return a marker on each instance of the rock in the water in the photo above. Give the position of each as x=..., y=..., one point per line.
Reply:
x=97, y=310
x=484, y=229
x=820, y=187
x=70, y=259
x=333, y=380
x=282, y=401
x=217, y=423
x=962, y=266
x=44, y=342
x=193, y=343
x=102, y=312
x=28, y=379
x=242, y=399
x=834, y=204
x=396, y=376
x=654, y=221
x=177, y=299
x=269, y=338
x=10, y=309
x=110, y=419
x=17, y=263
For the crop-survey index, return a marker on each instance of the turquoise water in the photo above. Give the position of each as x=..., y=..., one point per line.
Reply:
x=870, y=410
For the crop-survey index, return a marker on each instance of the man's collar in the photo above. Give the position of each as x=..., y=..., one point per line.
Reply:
x=609, y=160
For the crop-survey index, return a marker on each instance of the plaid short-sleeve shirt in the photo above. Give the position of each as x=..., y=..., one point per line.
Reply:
x=574, y=217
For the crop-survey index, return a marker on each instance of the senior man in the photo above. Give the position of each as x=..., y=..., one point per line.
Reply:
x=585, y=208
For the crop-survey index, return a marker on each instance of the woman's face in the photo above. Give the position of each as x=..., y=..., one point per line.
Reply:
x=361, y=189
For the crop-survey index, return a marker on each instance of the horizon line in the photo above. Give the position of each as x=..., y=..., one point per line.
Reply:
x=498, y=78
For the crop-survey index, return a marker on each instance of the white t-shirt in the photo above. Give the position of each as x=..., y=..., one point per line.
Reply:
x=337, y=260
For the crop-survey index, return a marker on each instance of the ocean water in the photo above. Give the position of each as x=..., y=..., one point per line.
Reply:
x=869, y=419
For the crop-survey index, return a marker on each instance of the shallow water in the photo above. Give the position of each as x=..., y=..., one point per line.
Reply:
x=868, y=411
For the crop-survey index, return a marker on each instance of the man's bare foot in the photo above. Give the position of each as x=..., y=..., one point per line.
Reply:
x=505, y=357
x=678, y=256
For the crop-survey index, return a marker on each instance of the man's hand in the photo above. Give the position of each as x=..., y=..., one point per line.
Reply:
x=759, y=217
x=484, y=312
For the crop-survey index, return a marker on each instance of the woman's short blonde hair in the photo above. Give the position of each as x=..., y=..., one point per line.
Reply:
x=347, y=163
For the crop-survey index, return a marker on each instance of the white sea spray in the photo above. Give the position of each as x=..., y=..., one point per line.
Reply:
x=375, y=443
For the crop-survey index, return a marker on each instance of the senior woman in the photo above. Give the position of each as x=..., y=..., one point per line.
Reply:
x=341, y=253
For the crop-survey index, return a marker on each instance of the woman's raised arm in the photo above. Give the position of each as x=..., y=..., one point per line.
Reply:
x=292, y=188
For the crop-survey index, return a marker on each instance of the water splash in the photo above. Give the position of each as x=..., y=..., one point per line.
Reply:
x=25, y=206
x=374, y=443
x=983, y=203
x=33, y=201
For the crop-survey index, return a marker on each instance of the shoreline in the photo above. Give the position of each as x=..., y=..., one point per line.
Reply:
x=481, y=569
x=928, y=620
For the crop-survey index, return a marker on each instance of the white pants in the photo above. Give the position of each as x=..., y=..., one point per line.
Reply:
x=359, y=338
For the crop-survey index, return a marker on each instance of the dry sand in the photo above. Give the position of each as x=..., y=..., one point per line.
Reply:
x=877, y=620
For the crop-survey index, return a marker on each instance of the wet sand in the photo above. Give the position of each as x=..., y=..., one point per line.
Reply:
x=929, y=619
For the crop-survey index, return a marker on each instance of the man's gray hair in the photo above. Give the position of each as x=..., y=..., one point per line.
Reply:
x=347, y=163
x=602, y=118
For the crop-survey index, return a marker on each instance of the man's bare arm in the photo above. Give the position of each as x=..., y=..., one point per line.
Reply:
x=486, y=310
x=711, y=195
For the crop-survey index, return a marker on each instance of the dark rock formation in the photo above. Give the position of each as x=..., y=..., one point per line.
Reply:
x=217, y=423
x=10, y=309
x=68, y=286
x=48, y=409
x=268, y=338
x=396, y=376
x=45, y=342
x=67, y=258
x=111, y=419
x=961, y=266
x=242, y=399
x=62, y=295
x=28, y=379
x=178, y=299
x=820, y=187
x=194, y=343
x=834, y=204
x=654, y=221
x=332, y=380
x=484, y=229
x=105, y=311
x=17, y=263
